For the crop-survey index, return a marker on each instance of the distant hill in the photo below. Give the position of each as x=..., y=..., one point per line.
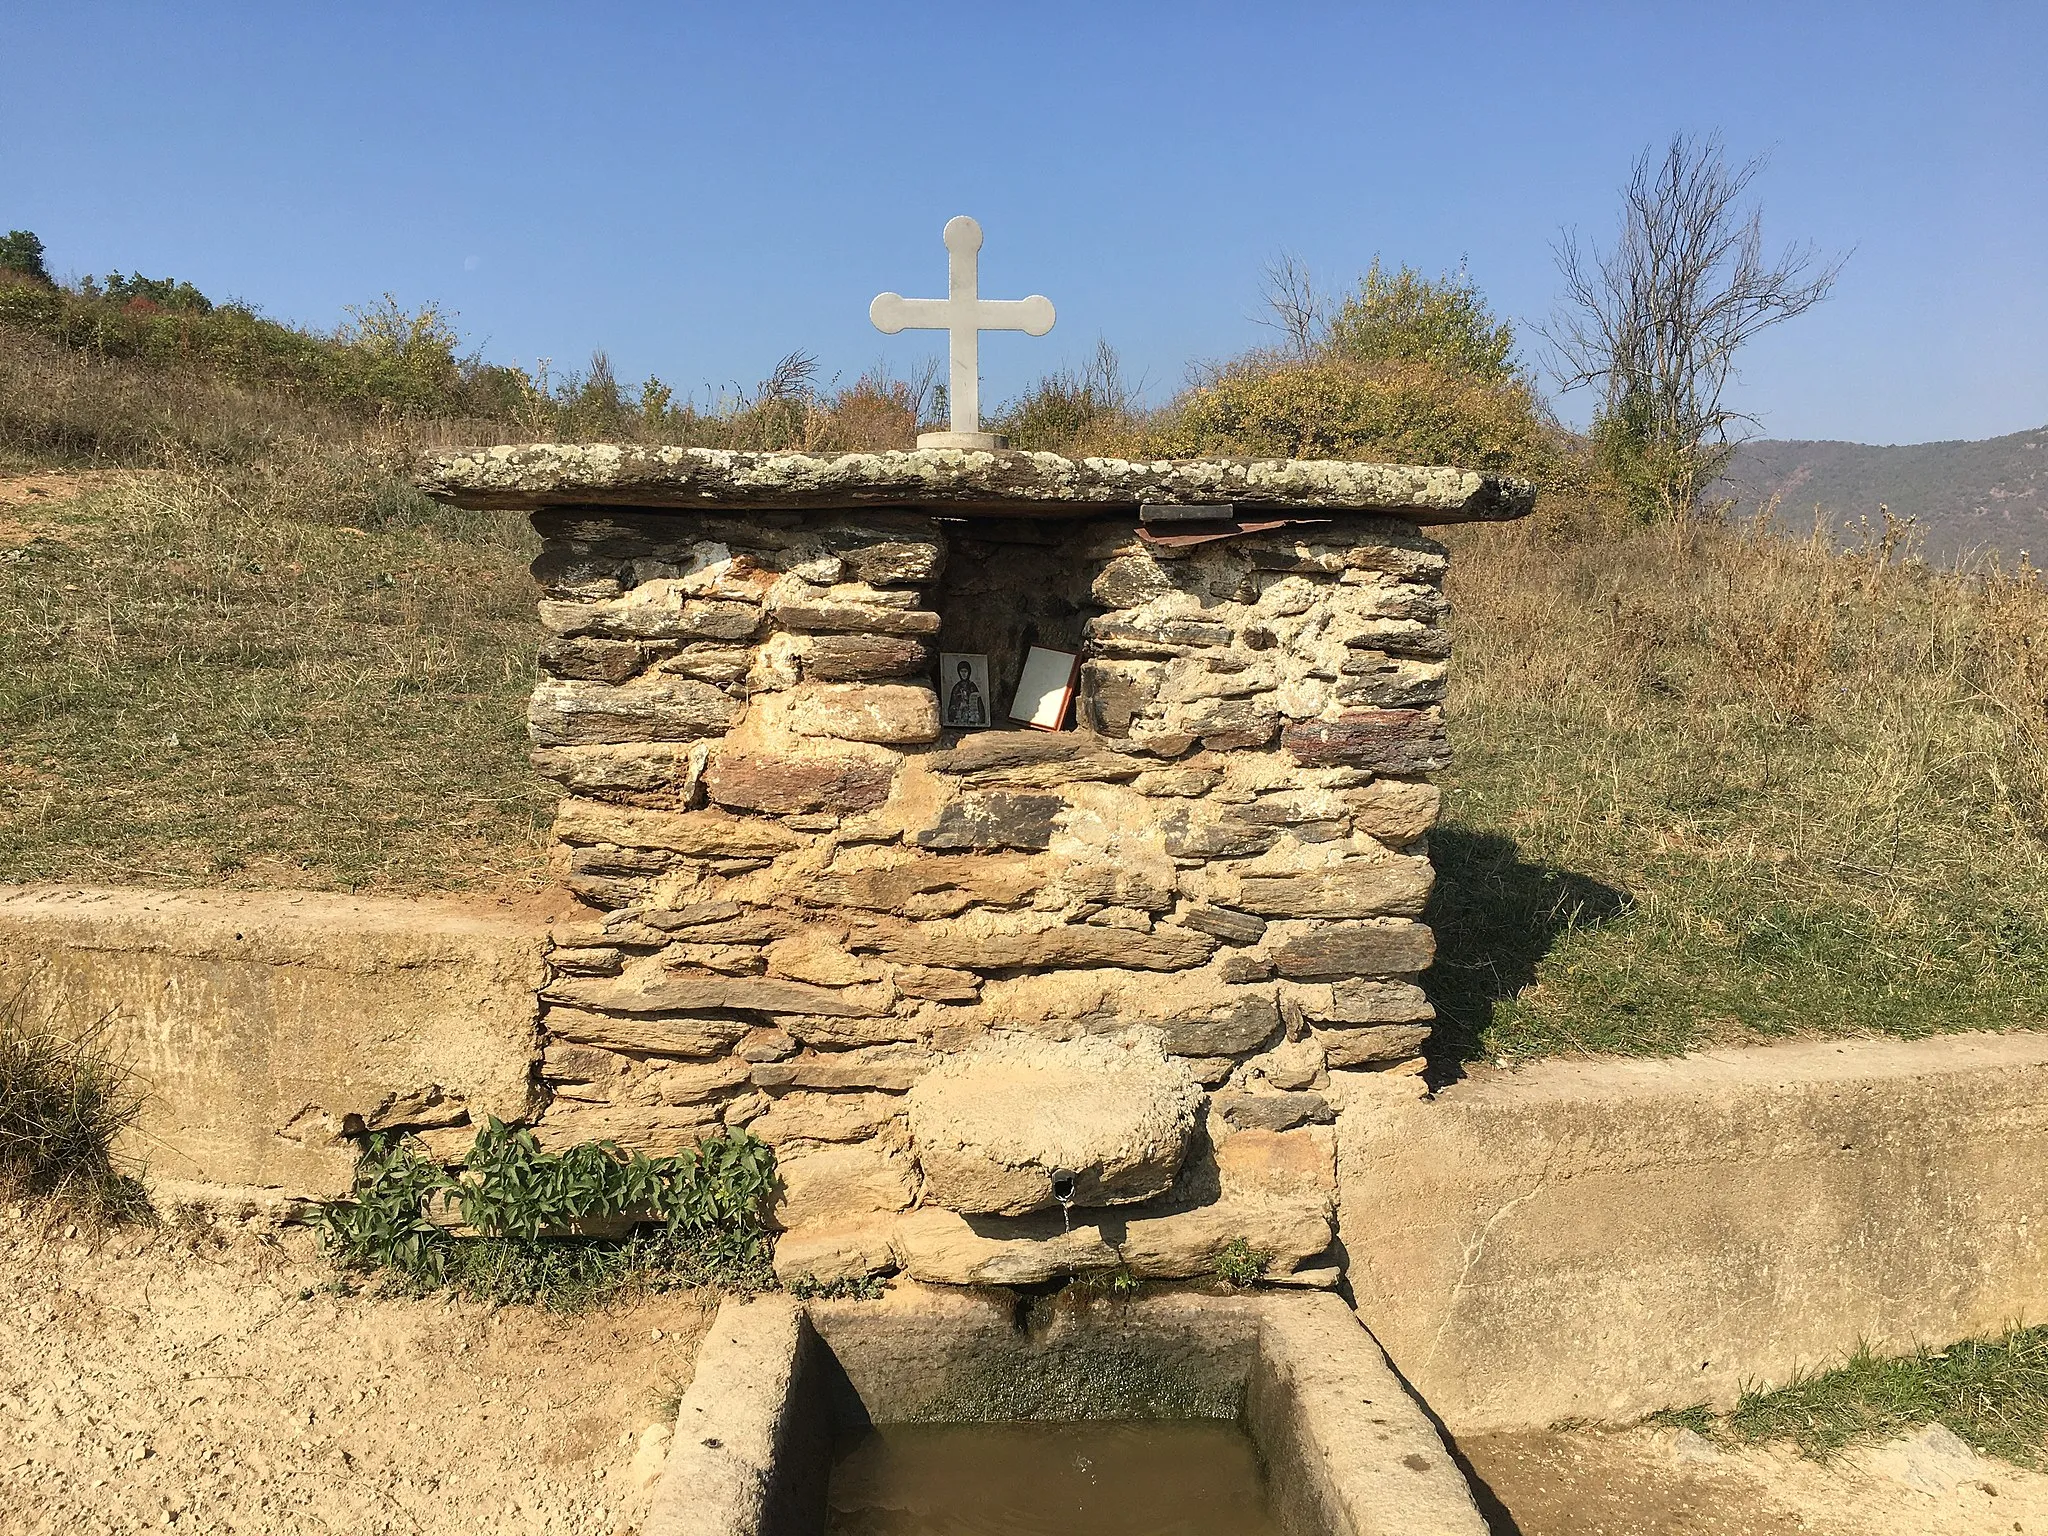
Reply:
x=1971, y=498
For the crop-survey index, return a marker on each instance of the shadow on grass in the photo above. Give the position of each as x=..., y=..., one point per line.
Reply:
x=1496, y=917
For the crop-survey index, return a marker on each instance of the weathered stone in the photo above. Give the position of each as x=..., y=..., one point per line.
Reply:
x=585, y=962
x=1237, y=927
x=1182, y=782
x=699, y=834
x=598, y=661
x=649, y=987
x=652, y=707
x=1197, y=1012
x=1291, y=1066
x=728, y=959
x=654, y=610
x=857, y=658
x=1395, y=811
x=1130, y=581
x=785, y=784
x=1388, y=946
x=995, y=1124
x=707, y=660
x=690, y=1036
x=832, y=1033
x=636, y=768
x=694, y=1082
x=1114, y=694
x=833, y=1252
x=877, y=712
x=567, y=1063
x=1273, y=1111
x=761, y=1045
x=1280, y=1165
x=850, y=609
x=1205, y=834
x=895, y=563
x=997, y=880
x=991, y=821
x=827, y=1117
x=960, y=482
x=943, y=1247
x=1389, y=887
x=886, y=1068
x=1124, y=634
x=1391, y=682
x=1360, y=1000
x=814, y=955
x=657, y=1130
x=1372, y=1045
x=983, y=945
x=838, y=1183
x=937, y=983
x=697, y=914
x=1236, y=965
x=1400, y=637
x=605, y=860
x=1384, y=740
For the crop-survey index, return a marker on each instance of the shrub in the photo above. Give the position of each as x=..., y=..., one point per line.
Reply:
x=1411, y=413
x=1408, y=318
x=63, y=1103
x=1240, y=1264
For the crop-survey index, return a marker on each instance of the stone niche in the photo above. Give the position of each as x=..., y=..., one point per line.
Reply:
x=1133, y=963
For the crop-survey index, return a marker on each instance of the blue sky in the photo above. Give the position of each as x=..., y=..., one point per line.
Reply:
x=699, y=189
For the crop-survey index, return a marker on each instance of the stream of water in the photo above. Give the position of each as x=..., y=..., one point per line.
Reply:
x=1182, y=1477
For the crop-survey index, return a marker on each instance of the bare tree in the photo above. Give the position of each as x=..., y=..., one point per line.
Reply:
x=1296, y=309
x=1656, y=321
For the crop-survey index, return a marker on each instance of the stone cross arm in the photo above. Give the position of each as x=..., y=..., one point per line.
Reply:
x=963, y=314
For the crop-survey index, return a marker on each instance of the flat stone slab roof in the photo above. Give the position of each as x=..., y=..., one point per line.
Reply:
x=954, y=482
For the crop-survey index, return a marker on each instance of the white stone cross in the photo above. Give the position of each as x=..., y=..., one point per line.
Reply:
x=963, y=314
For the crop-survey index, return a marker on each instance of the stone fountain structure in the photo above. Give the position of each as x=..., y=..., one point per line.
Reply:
x=1011, y=1004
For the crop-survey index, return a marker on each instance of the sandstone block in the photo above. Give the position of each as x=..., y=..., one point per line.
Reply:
x=566, y=1063
x=832, y=1033
x=597, y=661
x=826, y=1117
x=852, y=608
x=887, y=1068
x=694, y=1082
x=991, y=821
x=833, y=1185
x=1280, y=1165
x=897, y=562
x=1391, y=682
x=699, y=834
x=585, y=962
x=1130, y=581
x=1180, y=782
x=1387, y=946
x=887, y=713
x=1360, y=1000
x=1114, y=694
x=1273, y=1111
x=654, y=988
x=813, y=955
x=942, y=1247
x=993, y=1124
x=857, y=658
x=999, y=880
x=785, y=784
x=836, y=1251
x=1035, y=942
x=564, y=712
x=1236, y=927
x=1397, y=741
x=1227, y=724
x=1197, y=1013
x=1395, y=811
x=697, y=1036
x=937, y=983
x=1390, y=887
x=654, y=610
x=635, y=768
x=657, y=1130
x=759, y=1045
x=1372, y=1045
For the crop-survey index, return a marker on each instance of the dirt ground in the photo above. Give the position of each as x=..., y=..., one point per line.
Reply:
x=1662, y=1482
x=210, y=1379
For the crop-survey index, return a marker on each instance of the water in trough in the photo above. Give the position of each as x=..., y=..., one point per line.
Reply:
x=1185, y=1477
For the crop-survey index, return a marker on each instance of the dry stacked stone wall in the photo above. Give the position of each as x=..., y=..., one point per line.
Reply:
x=805, y=893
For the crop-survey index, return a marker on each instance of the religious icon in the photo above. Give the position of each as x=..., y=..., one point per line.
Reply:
x=963, y=684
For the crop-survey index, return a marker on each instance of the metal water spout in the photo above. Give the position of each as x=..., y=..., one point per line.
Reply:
x=1063, y=1192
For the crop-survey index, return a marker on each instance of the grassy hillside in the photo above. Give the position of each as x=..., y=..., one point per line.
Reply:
x=1711, y=785
x=1970, y=499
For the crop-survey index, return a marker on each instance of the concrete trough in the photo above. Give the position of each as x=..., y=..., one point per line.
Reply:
x=780, y=1385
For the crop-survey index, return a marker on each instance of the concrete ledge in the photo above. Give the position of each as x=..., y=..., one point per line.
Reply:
x=1602, y=1239
x=264, y=1024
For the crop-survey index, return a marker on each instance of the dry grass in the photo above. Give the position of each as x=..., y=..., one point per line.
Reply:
x=300, y=676
x=1719, y=785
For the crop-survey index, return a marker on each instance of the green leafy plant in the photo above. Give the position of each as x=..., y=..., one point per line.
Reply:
x=1240, y=1264
x=698, y=1216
